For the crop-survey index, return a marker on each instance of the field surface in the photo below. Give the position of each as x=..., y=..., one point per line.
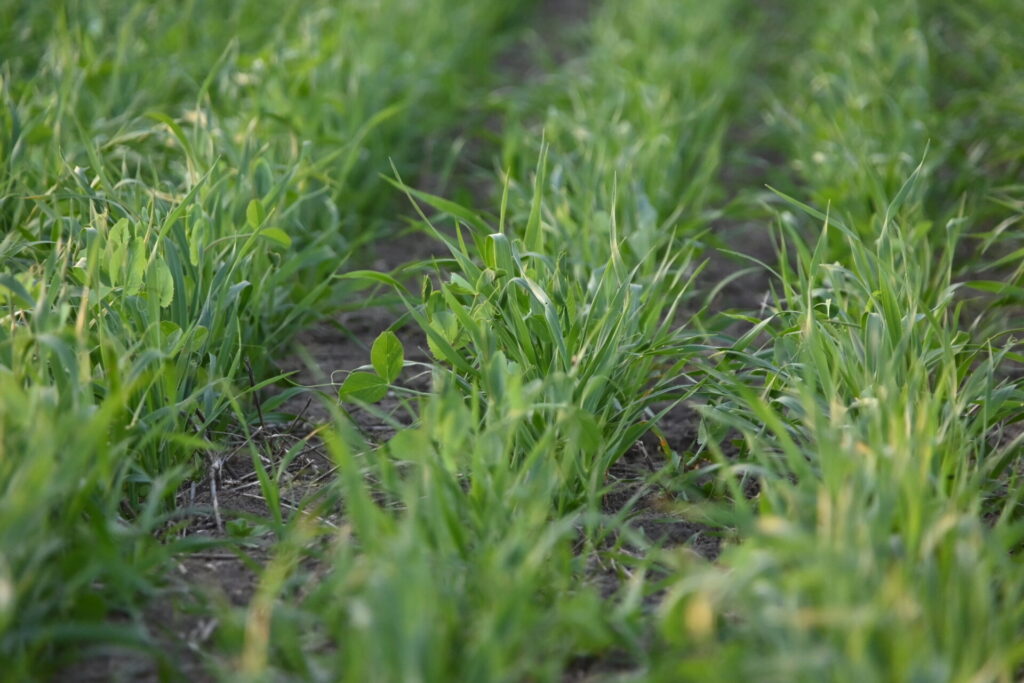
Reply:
x=564, y=340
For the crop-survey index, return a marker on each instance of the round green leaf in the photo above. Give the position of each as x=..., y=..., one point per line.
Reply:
x=278, y=236
x=162, y=282
x=387, y=356
x=254, y=214
x=364, y=387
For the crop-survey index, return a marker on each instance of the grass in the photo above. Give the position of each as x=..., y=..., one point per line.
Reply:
x=175, y=210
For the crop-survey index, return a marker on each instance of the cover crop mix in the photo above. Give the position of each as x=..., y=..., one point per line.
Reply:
x=716, y=374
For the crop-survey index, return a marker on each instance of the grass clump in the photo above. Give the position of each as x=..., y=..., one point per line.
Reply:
x=603, y=349
x=878, y=538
